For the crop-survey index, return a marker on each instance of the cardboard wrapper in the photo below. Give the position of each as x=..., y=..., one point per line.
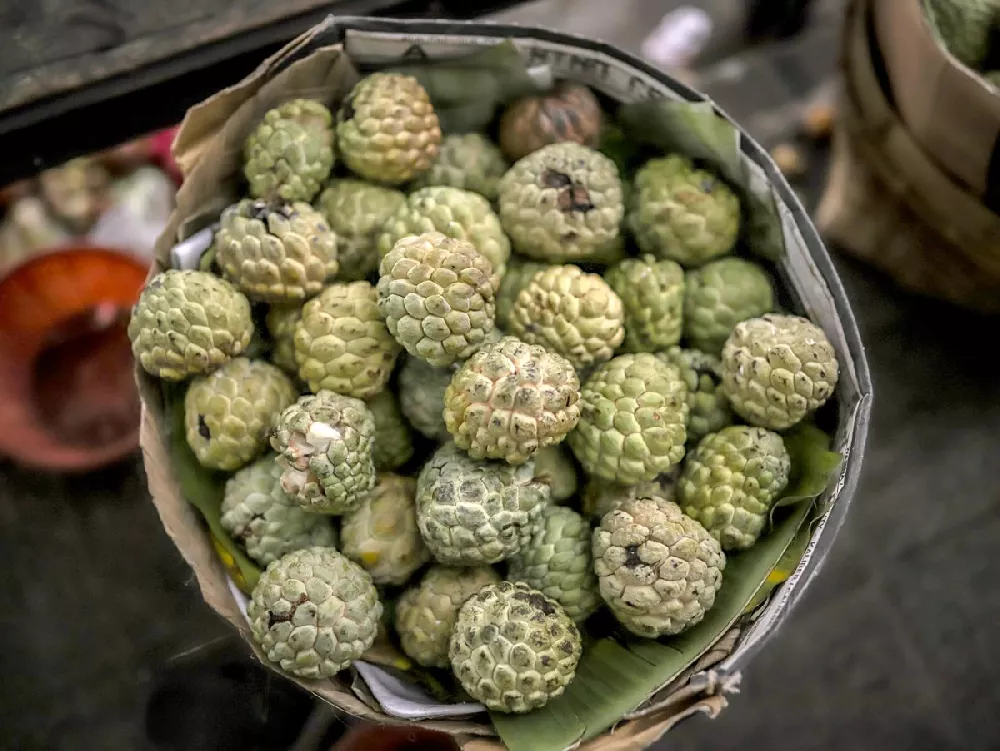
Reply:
x=324, y=63
x=953, y=114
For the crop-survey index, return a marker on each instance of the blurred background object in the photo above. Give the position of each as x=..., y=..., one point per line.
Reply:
x=894, y=645
x=68, y=399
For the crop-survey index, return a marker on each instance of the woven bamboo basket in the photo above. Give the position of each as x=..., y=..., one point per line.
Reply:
x=889, y=204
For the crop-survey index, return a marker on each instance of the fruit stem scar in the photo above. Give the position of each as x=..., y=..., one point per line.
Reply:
x=632, y=558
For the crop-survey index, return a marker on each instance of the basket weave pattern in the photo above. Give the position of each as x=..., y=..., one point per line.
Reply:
x=889, y=205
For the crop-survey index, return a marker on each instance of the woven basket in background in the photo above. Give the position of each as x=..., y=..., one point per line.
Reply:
x=888, y=203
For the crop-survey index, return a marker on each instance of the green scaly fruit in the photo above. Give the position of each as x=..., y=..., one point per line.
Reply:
x=658, y=570
x=555, y=466
x=652, y=295
x=229, y=412
x=777, y=369
x=558, y=562
x=436, y=295
x=475, y=512
x=600, y=496
x=513, y=648
x=426, y=612
x=280, y=322
x=519, y=274
x=387, y=130
x=469, y=161
x=277, y=253
x=258, y=514
x=633, y=420
x=563, y=203
x=454, y=212
x=510, y=399
x=683, y=213
x=290, y=153
x=571, y=313
x=421, y=396
x=356, y=211
x=381, y=534
x=709, y=407
x=393, y=439
x=342, y=344
x=324, y=444
x=721, y=294
x=730, y=482
x=188, y=322
x=313, y=612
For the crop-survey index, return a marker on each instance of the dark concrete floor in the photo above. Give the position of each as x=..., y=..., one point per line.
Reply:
x=894, y=646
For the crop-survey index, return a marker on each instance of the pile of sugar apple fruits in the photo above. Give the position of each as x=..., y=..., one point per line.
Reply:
x=970, y=31
x=504, y=395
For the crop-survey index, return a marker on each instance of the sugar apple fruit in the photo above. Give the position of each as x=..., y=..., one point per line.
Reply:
x=964, y=26
x=600, y=496
x=290, y=153
x=324, y=444
x=554, y=466
x=563, y=203
x=683, y=213
x=228, y=413
x=658, y=570
x=721, y=294
x=381, y=533
x=387, y=130
x=469, y=161
x=558, y=562
x=633, y=419
x=188, y=322
x=708, y=406
x=314, y=612
x=519, y=273
x=777, y=369
x=356, y=211
x=454, y=212
x=571, y=313
x=474, y=512
x=652, y=295
x=258, y=514
x=342, y=344
x=569, y=113
x=510, y=399
x=426, y=612
x=275, y=252
x=393, y=438
x=280, y=322
x=421, y=396
x=513, y=648
x=436, y=295
x=731, y=480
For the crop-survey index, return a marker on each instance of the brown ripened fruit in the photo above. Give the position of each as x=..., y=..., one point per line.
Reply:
x=569, y=112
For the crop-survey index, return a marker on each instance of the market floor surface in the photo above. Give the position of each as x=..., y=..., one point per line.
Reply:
x=893, y=647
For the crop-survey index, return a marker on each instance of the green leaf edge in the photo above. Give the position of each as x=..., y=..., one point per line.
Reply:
x=616, y=675
x=709, y=137
x=201, y=487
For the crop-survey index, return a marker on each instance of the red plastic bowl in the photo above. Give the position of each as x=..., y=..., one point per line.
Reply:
x=368, y=737
x=68, y=400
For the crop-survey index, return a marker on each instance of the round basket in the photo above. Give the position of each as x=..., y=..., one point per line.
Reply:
x=889, y=204
x=325, y=63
